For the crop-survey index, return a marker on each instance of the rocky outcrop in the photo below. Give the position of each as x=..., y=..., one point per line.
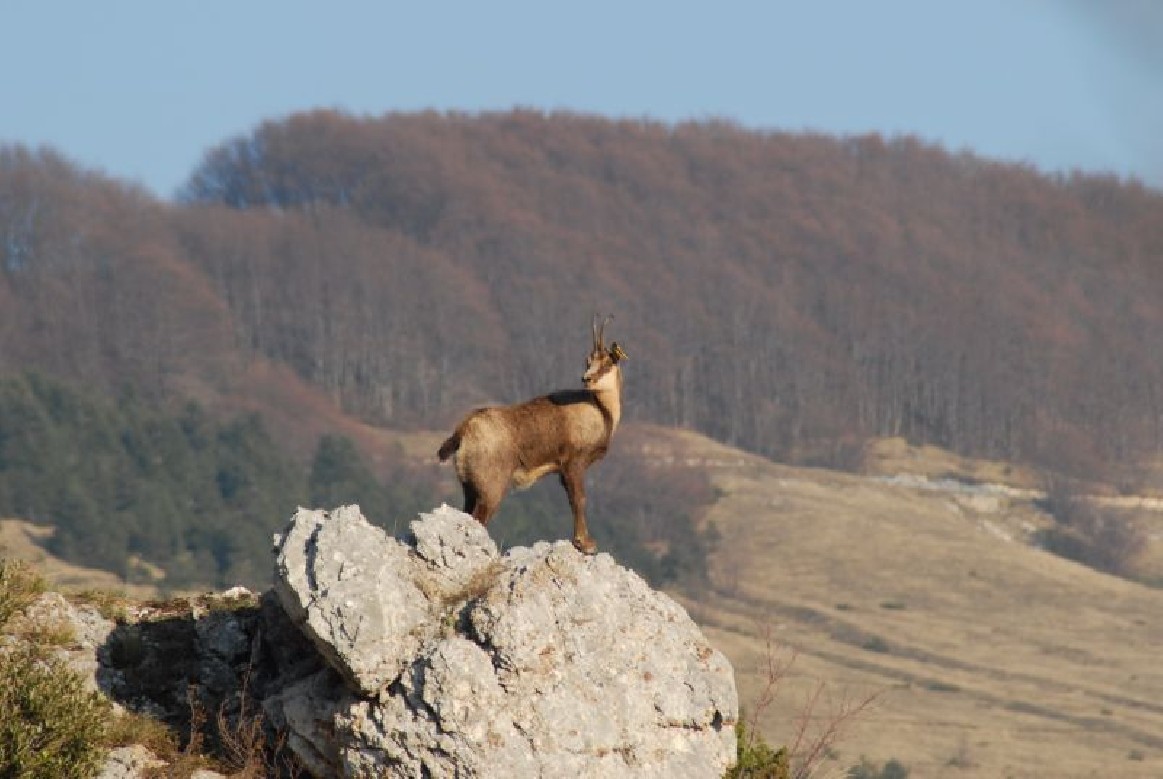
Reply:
x=447, y=658
x=368, y=601
x=87, y=631
x=431, y=655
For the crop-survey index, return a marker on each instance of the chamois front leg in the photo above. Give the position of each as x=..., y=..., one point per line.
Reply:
x=573, y=478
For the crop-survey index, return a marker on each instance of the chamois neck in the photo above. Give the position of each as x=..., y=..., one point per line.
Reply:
x=608, y=392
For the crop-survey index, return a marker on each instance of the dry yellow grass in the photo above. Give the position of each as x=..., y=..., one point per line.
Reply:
x=893, y=456
x=22, y=540
x=993, y=659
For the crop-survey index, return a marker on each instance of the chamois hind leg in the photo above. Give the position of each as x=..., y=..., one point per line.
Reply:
x=480, y=503
x=471, y=497
x=573, y=479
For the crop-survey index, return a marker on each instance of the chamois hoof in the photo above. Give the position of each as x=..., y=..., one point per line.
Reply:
x=585, y=545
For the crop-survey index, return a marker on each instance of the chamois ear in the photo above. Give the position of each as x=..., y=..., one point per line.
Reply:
x=617, y=353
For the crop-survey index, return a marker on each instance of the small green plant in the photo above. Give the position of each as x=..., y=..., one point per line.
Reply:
x=129, y=727
x=50, y=726
x=756, y=759
x=47, y=633
x=867, y=769
x=19, y=587
x=939, y=686
x=109, y=604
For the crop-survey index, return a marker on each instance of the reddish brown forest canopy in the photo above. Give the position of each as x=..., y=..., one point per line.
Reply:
x=787, y=293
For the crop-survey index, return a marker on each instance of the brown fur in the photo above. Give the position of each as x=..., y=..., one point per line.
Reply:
x=563, y=432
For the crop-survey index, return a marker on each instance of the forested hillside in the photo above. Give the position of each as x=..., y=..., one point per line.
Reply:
x=791, y=294
x=781, y=292
x=130, y=489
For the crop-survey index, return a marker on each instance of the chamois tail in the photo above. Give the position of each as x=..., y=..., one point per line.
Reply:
x=450, y=445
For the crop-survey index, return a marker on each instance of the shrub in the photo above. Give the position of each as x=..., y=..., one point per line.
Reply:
x=893, y=769
x=19, y=587
x=814, y=733
x=1089, y=534
x=50, y=726
x=756, y=759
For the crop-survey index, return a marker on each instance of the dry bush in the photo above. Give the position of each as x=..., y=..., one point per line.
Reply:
x=818, y=724
x=1090, y=534
x=246, y=746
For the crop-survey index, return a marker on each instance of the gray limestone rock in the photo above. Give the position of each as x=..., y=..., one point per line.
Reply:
x=350, y=589
x=454, y=660
x=129, y=762
x=88, y=631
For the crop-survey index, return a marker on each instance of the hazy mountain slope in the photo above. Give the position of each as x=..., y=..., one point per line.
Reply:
x=992, y=658
x=782, y=292
x=790, y=294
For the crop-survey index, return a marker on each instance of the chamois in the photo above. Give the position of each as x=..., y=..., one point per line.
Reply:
x=563, y=432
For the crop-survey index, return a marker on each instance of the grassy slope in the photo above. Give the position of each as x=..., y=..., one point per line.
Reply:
x=22, y=540
x=992, y=658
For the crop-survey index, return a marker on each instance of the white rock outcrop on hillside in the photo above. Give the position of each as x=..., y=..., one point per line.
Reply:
x=448, y=658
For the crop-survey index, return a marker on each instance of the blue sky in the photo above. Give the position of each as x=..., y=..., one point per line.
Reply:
x=141, y=90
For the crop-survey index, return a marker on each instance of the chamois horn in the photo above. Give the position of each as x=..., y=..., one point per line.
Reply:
x=599, y=331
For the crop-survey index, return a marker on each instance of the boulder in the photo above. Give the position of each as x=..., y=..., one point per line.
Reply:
x=447, y=658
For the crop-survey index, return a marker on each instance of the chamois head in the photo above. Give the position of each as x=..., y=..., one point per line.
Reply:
x=601, y=359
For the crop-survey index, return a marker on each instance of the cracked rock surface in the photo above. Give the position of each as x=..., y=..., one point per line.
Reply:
x=448, y=659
